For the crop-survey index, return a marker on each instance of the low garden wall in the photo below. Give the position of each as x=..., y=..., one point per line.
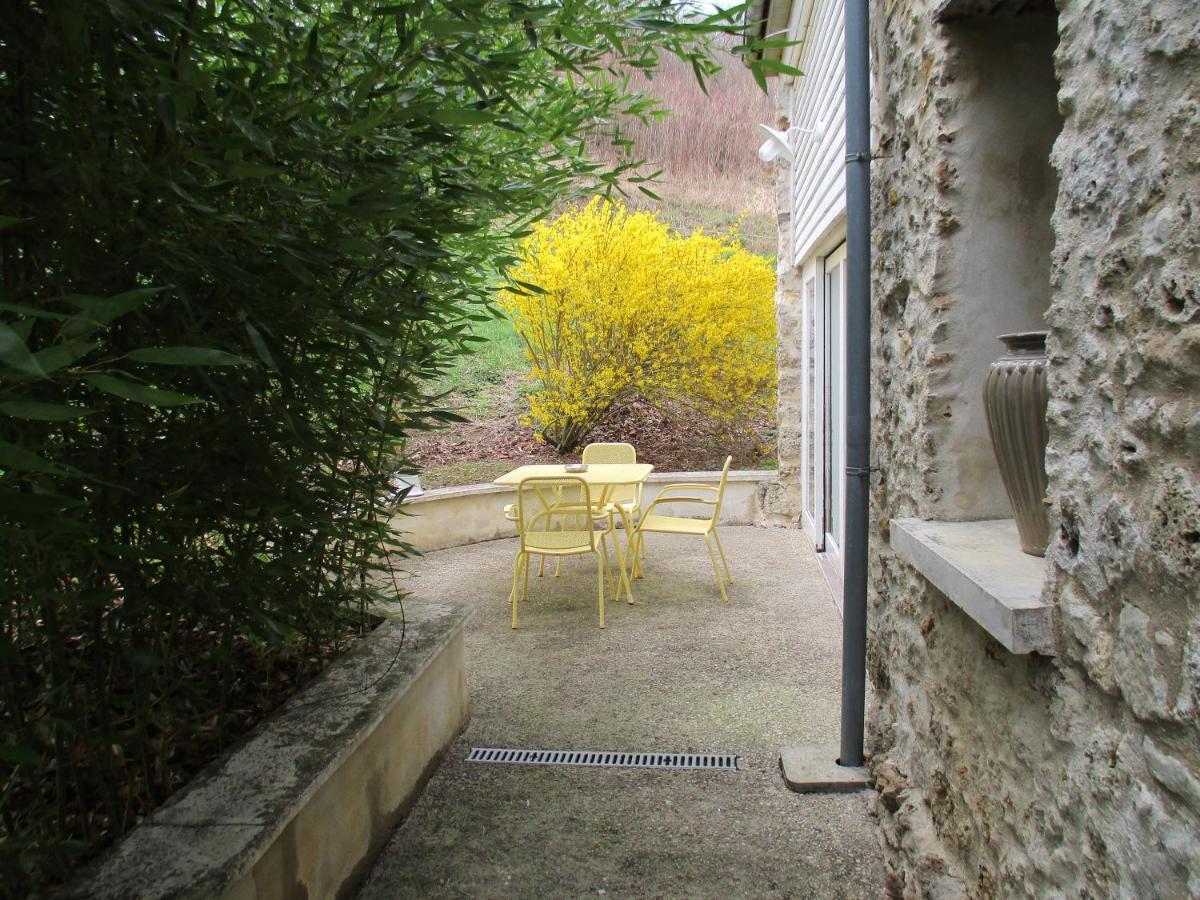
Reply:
x=300, y=809
x=450, y=517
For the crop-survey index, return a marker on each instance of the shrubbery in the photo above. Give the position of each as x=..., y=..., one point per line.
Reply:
x=612, y=305
x=238, y=241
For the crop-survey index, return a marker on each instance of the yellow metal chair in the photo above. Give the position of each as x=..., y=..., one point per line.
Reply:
x=547, y=528
x=510, y=513
x=656, y=522
x=627, y=498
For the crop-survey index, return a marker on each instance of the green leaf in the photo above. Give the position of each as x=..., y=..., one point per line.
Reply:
x=35, y=502
x=760, y=77
x=774, y=65
x=9, y=221
x=261, y=348
x=139, y=393
x=166, y=112
x=20, y=755
x=54, y=358
x=698, y=71
x=254, y=134
x=27, y=310
x=440, y=415
x=98, y=311
x=14, y=353
x=447, y=27
x=18, y=458
x=187, y=356
x=42, y=412
x=776, y=43
x=241, y=169
x=531, y=287
x=462, y=116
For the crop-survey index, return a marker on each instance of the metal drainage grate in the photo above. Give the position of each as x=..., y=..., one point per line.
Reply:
x=726, y=762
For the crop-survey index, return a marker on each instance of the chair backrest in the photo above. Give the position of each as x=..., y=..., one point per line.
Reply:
x=610, y=454
x=602, y=454
x=721, y=489
x=544, y=521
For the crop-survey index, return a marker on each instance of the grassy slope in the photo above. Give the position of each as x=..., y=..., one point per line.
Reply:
x=480, y=381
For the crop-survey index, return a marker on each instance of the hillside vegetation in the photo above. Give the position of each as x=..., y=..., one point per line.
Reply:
x=705, y=148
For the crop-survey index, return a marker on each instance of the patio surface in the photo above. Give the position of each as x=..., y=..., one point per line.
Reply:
x=679, y=671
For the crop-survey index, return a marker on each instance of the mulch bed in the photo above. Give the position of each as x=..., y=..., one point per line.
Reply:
x=673, y=440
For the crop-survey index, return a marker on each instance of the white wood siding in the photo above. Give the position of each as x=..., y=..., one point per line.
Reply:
x=818, y=173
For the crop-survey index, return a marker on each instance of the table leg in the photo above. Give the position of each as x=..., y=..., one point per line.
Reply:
x=625, y=524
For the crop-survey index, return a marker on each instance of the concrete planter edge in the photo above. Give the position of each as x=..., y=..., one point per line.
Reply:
x=304, y=802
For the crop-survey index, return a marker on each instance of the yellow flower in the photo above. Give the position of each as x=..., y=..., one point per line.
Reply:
x=631, y=309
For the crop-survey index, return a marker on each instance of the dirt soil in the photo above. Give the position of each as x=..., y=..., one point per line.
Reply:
x=670, y=439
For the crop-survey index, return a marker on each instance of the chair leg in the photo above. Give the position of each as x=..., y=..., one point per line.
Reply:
x=724, y=561
x=717, y=572
x=525, y=589
x=639, y=548
x=542, y=567
x=622, y=558
x=624, y=582
x=517, y=566
x=562, y=525
x=600, y=573
x=607, y=563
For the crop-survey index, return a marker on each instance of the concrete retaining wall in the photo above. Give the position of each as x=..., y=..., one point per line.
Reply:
x=301, y=808
x=450, y=517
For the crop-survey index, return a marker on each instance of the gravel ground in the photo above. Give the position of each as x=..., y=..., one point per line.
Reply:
x=677, y=671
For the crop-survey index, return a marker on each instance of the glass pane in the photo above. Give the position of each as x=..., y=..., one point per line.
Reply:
x=810, y=415
x=836, y=415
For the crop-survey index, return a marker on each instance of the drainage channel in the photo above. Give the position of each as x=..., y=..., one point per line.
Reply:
x=725, y=762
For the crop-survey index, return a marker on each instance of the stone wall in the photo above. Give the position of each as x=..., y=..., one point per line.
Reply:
x=1077, y=774
x=783, y=501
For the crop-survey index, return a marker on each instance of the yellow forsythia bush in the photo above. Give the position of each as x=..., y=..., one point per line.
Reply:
x=612, y=305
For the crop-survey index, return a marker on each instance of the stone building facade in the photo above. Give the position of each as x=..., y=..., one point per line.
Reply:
x=1037, y=166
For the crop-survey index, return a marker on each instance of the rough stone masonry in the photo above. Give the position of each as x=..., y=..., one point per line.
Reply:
x=1076, y=774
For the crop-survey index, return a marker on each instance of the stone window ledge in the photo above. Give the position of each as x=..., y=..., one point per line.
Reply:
x=980, y=568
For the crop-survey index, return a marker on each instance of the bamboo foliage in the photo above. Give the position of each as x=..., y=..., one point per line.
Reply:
x=238, y=240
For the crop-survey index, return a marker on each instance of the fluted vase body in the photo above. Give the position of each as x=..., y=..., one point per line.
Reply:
x=1014, y=397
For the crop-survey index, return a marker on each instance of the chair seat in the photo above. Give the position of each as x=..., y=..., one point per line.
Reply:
x=557, y=541
x=675, y=524
x=570, y=506
x=510, y=510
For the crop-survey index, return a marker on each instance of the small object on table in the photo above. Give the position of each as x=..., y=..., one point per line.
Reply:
x=574, y=468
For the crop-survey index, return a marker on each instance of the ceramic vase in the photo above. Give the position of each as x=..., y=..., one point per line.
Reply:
x=1014, y=397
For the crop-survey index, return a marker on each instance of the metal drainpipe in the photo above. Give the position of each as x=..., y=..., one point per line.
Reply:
x=858, y=379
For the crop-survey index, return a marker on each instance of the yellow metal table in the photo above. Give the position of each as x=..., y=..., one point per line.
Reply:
x=605, y=476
